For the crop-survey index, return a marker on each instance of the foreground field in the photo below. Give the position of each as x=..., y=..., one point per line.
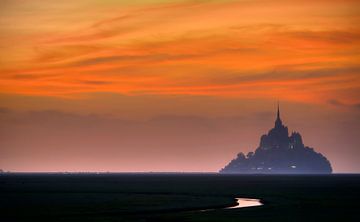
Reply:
x=177, y=197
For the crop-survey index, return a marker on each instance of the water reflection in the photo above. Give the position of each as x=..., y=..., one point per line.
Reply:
x=241, y=203
x=246, y=202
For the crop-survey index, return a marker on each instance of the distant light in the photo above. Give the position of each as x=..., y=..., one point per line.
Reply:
x=293, y=167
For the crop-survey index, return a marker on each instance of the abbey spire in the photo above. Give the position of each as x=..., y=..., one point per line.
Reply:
x=278, y=122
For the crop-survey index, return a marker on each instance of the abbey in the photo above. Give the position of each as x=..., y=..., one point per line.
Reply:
x=279, y=153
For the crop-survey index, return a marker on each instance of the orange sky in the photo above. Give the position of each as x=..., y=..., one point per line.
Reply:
x=139, y=60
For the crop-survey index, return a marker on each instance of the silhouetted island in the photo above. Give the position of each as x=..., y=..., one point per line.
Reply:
x=280, y=154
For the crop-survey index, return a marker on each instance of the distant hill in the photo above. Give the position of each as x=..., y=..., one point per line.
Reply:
x=280, y=153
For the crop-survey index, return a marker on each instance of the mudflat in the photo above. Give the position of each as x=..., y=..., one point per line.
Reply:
x=177, y=197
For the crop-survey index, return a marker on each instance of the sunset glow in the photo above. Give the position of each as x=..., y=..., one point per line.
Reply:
x=222, y=48
x=145, y=59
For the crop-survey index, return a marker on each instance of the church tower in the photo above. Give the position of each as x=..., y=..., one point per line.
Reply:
x=278, y=122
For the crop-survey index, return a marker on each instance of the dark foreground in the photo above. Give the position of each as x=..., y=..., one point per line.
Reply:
x=177, y=197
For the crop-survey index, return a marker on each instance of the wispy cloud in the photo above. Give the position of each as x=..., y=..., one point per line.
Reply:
x=304, y=51
x=338, y=103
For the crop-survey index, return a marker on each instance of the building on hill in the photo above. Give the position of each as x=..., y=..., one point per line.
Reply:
x=279, y=153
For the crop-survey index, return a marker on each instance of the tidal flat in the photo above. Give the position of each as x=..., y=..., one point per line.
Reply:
x=177, y=197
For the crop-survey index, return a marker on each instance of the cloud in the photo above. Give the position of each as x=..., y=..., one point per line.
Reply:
x=233, y=77
x=338, y=103
x=94, y=82
x=212, y=48
x=331, y=36
x=130, y=58
x=26, y=76
x=283, y=83
x=4, y=110
x=117, y=19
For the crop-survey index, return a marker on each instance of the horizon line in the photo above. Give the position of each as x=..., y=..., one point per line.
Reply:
x=162, y=172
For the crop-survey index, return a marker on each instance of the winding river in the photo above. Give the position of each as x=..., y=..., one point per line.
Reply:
x=241, y=203
x=246, y=202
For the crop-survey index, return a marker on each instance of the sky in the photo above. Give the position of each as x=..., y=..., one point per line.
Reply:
x=175, y=86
